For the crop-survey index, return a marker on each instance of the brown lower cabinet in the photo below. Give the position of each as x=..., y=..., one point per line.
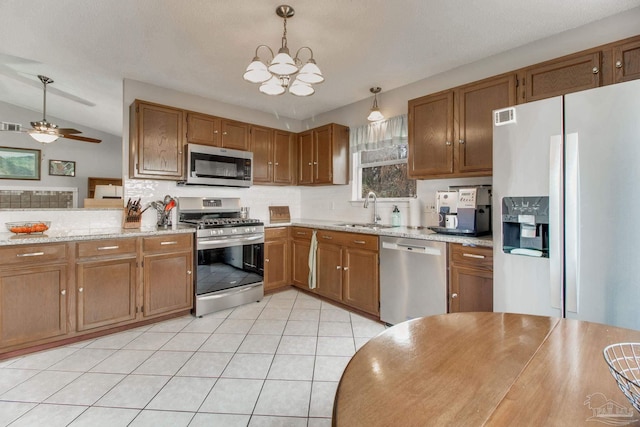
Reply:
x=276, y=258
x=300, y=245
x=470, y=278
x=33, y=294
x=52, y=292
x=346, y=269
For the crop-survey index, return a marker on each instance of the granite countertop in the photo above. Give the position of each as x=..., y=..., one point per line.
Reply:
x=411, y=233
x=71, y=235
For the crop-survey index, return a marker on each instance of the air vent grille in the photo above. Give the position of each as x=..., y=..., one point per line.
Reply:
x=504, y=116
x=12, y=127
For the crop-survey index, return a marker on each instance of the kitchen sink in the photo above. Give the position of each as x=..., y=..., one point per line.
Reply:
x=363, y=225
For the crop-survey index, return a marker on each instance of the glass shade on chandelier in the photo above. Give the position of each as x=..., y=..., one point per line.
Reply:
x=283, y=70
x=43, y=136
x=375, y=114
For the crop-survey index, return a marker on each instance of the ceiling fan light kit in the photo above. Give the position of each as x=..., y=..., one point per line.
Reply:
x=278, y=76
x=375, y=114
x=44, y=131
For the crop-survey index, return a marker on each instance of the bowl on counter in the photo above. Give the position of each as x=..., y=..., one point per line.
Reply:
x=28, y=227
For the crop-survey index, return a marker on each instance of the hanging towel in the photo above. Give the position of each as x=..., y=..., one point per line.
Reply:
x=313, y=247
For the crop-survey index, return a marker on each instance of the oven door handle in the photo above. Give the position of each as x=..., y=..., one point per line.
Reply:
x=222, y=243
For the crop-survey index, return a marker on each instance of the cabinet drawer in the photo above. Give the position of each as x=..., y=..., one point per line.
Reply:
x=169, y=243
x=301, y=233
x=32, y=254
x=106, y=247
x=360, y=241
x=477, y=257
x=276, y=233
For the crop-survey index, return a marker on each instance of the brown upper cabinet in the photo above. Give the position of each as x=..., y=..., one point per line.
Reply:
x=561, y=76
x=273, y=156
x=235, y=135
x=156, y=139
x=323, y=155
x=203, y=129
x=451, y=132
x=626, y=60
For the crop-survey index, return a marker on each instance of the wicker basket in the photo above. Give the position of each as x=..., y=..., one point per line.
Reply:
x=624, y=364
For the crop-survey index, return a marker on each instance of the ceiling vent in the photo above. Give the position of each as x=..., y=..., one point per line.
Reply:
x=11, y=127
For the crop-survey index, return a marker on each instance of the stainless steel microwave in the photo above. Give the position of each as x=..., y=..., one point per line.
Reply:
x=206, y=165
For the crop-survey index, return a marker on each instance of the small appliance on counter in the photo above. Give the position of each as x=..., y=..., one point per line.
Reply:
x=471, y=207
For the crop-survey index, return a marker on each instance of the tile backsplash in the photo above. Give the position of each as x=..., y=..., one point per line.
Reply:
x=30, y=199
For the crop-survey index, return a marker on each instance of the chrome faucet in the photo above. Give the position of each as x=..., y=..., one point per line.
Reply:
x=376, y=217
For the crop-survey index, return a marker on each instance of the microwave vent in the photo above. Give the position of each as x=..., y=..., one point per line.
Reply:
x=504, y=116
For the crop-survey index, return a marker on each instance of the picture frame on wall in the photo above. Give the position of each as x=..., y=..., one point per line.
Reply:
x=19, y=163
x=62, y=167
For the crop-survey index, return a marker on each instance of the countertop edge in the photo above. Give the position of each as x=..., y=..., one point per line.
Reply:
x=405, y=232
x=58, y=236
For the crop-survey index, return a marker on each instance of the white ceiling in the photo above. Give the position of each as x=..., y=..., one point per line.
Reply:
x=203, y=46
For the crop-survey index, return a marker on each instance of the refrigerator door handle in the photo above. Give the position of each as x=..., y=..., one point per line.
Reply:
x=572, y=236
x=555, y=222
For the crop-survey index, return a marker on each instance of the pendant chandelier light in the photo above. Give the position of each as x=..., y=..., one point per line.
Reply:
x=283, y=71
x=375, y=114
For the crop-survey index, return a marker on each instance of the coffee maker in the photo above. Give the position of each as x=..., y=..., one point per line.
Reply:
x=474, y=210
x=471, y=205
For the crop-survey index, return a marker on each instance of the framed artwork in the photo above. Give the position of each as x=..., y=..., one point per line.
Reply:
x=19, y=163
x=62, y=167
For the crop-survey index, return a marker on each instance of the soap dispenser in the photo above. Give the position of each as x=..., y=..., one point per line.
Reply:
x=395, y=216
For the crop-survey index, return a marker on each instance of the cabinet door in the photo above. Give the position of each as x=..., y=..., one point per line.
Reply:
x=361, y=282
x=626, y=59
x=322, y=155
x=262, y=148
x=275, y=264
x=106, y=292
x=283, y=158
x=168, y=283
x=305, y=158
x=430, y=135
x=561, y=77
x=33, y=304
x=329, y=271
x=300, y=263
x=476, y=103
x=235, y=135
x=159, y=138
x=203, y=129
x=470, y=290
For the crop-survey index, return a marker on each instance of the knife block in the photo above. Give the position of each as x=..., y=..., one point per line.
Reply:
x=133, y=220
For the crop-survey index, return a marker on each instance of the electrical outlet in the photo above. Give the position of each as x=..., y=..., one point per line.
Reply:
x=430, y=208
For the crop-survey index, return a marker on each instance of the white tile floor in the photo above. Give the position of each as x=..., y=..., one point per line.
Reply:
x=273, y=363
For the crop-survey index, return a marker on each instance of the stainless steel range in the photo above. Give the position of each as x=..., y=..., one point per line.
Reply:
x=230, y=253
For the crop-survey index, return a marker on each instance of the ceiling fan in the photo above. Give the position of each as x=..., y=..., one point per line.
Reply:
x=44, y=131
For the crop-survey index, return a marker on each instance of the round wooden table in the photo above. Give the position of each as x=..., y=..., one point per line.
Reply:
x=472, y=369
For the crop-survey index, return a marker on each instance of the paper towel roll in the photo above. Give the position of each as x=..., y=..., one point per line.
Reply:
x=415, y=213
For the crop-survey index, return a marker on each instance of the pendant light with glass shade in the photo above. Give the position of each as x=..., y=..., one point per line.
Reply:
x=375, y=114
x=283, y=71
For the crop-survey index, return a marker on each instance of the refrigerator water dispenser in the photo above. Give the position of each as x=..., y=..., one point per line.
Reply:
x=525, y=226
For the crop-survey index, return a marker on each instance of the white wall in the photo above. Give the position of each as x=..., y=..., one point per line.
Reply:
x=102, y=160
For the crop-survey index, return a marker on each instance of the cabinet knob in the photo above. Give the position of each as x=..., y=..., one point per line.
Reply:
x=338, y=267
x=309, y=163
x=80, y=289
x=595, y=70
x=315, y=163
x=215, y=131
x=454, y=296
x=276, y=163
x=448, y=143
x=345, y=268
x=63, y=292
x=461, y=141
x=188, y=271
x=618, y=64
x=269, y=163
x=224, y=133
x=266, y=260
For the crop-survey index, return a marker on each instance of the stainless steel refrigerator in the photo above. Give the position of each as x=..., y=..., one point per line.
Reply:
x=582, y=151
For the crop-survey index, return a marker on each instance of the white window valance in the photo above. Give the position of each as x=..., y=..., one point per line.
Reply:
x=382, y=134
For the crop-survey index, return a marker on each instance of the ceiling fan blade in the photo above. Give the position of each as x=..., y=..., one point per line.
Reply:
x=67, y=131
x=81, y=138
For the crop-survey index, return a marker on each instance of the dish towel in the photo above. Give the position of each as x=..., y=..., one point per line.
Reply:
x=313, y=247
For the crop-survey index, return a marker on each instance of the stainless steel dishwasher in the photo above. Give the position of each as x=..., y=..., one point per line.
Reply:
x=413, y=279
